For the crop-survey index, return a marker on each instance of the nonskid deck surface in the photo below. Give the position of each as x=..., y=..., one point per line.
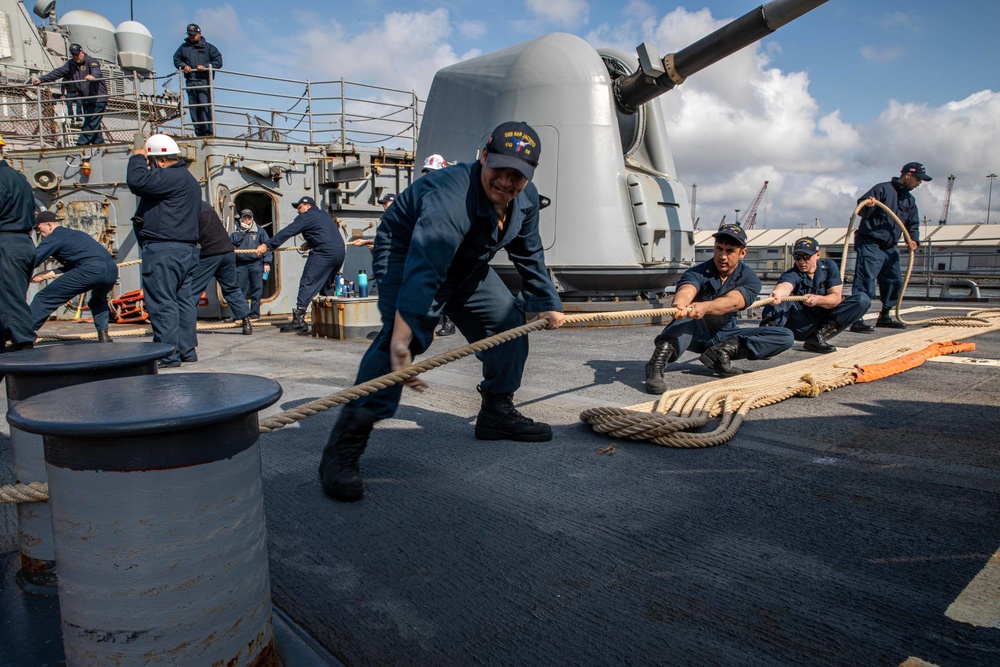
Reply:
x=835, y=531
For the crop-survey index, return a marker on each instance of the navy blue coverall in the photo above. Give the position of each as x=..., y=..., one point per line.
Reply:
x=805, y=320
x=166, y=226
x=326, y=251
x=876, y=239
x=92, y=95
x=17, y=255
x=699, y=335
x=196, y=81
x=432, y=253
x=217, y=259
x=87, y=266
x=250, y=267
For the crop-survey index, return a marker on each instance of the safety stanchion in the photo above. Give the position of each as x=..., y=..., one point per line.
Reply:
x=158, y=516
x=33, y=372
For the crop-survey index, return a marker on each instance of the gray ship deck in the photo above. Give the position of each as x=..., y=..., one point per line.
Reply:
x=830, y=531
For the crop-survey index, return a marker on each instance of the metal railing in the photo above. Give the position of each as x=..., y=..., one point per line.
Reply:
x=43, y=116
x=243, y=106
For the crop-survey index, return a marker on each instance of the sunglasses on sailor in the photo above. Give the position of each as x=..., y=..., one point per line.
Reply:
x=798, y=257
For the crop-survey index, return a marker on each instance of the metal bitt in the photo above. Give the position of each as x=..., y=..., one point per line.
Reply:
x=33, y=372
x=655, y=78
x=158, y=514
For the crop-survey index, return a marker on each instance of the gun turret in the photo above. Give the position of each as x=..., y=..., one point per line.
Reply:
x=619, y=221
x=655, y=76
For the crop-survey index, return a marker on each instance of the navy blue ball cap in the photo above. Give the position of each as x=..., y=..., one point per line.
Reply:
x=734, y=232
x=514, y=145
x=387, y=197
x=806, y=245
x=917, y=169
x=75, y=49
x=45, y=216
x=193, y=29
x=304, y=200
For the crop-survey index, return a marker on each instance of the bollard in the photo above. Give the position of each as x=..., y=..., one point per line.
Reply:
x=32, y=372
x=158, y=518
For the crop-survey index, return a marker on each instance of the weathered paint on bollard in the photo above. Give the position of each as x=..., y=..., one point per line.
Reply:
x=32, y=372
x=157, y=503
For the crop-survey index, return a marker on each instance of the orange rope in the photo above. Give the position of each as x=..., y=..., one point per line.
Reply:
x=874, y=372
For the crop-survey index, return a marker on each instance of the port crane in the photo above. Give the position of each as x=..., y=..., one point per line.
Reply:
x=947, y=201
x=751, y=217
x=694, y=205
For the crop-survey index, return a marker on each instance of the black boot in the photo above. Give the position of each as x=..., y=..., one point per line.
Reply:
x=447, y=327
x=24, y=346
x=718, y=357
x=103, y=337
x=499, y=420
x=861, y=327
x=656, y=383
x=818, y=341
x=339, y=468
x=247, y=327
x=298, y=322
x=885, y=319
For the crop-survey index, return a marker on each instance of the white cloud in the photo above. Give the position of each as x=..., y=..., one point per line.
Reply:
x=957, y=138
x=403, y=51
x=563, y=13
x=880, y=55
x=220, y=25
x=471, y=29
x=895, y=21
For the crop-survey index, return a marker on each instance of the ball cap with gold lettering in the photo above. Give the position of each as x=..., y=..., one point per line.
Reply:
x=806, y=245
x=514, y=145
x=732, y=232
x=917, y=169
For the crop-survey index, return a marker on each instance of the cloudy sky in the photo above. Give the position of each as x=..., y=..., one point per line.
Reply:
x=822, y=109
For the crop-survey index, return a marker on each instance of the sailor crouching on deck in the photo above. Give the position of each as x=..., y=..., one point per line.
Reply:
x=708, y=296
x=825, y=312
x=87, y=265
x=432, y=253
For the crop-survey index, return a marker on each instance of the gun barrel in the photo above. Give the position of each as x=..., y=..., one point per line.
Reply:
x=633, y=91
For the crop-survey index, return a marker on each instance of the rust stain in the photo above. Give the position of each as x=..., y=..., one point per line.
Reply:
x=268, y=657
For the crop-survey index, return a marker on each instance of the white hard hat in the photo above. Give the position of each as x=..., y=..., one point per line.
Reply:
x=434, y=162
x=161, y=145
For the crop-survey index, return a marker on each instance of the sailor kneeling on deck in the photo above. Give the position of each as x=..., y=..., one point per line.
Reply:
x=825, y=312
x=87, y=267
x=431, y=255
x=707, y=298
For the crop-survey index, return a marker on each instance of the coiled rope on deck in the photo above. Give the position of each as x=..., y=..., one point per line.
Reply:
x=665, y=421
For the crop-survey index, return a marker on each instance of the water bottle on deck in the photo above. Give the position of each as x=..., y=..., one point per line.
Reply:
x=363, y=284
